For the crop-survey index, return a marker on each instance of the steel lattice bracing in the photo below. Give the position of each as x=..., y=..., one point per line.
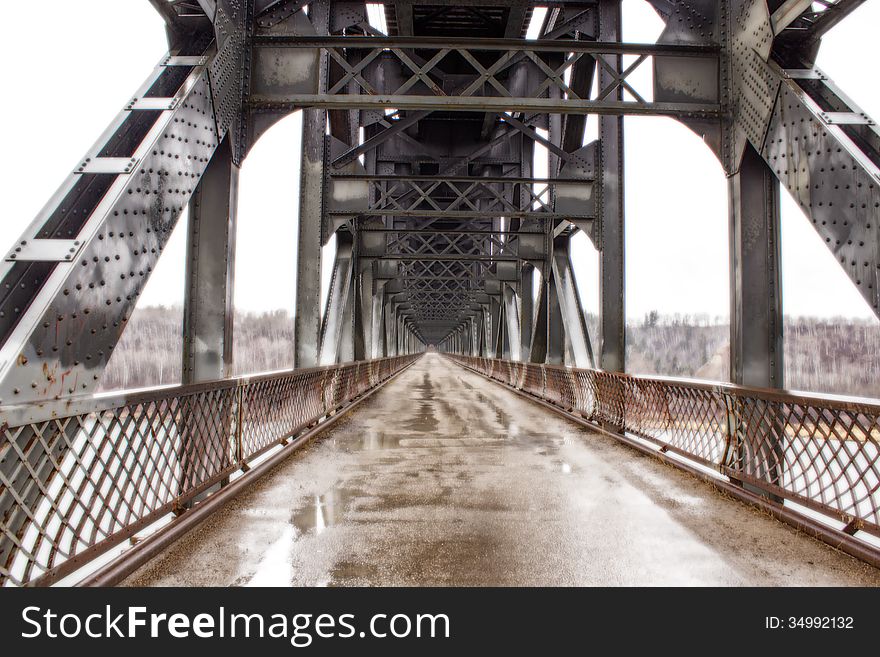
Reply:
x=419, y=156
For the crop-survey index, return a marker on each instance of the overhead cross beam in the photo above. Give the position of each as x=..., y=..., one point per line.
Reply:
x=405, y=84
x=463, y=196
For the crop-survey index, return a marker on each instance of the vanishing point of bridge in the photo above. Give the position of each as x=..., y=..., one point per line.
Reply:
x=421, y=122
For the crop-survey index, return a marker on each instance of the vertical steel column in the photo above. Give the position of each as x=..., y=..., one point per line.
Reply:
x=612, y=355
x=345, y=353
x=474, y=346
x=307, y=319
x=403, y=341
x=496, y=315
x=338, y=312
x=579, y=350
x=488, y=346
x=377, y=320
x=556, y=330
x=307, y=324
x=513, y=336
x=210, y=271
x=525, y=292
x=548, y=338
x=363, y=310
x=538, y=346
x=390, y=324
x=756, y=352
x=208, y=303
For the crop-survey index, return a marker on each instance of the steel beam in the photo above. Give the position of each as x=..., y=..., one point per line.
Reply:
x=612, y=251
x=498, y=104
x=337, y=316
x=579, y=349
x=210, y=270
x=307, y=320
x=62, y=314
x=756, y=348
x=608, y=46
x=826, y=151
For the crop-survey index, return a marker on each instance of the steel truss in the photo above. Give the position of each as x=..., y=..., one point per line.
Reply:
x=443, y=226
x=452, y=109
x=475, y=75
x=455, y=197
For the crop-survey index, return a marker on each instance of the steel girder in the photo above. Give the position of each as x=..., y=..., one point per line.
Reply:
x=609, y=235
x=210, y=272
x=474, y=75
x=460, y=197
x=74, y=277
x=447, y=212
x=812, y=138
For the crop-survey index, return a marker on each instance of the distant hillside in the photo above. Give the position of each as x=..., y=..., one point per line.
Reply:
x=838, y=355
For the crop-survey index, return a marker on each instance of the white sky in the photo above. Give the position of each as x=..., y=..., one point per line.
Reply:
x=64, y=88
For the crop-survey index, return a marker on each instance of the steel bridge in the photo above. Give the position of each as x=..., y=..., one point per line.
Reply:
x=418, y=156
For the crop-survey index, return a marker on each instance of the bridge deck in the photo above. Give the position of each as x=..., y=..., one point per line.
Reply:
x=445, y=478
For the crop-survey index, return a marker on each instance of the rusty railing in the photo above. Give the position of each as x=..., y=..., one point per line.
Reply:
x=820, y=452
x=74, y=486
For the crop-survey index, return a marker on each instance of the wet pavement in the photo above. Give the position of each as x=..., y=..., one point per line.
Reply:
x=444, y=478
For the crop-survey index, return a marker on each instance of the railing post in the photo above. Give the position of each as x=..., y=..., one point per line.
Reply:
x=239, y=421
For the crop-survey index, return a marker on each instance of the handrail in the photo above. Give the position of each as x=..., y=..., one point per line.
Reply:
x=74, y=486
x=820, y=452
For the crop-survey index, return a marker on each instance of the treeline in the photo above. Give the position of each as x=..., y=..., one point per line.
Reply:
x=837, y=355
x=151, y=348
x=822, y=355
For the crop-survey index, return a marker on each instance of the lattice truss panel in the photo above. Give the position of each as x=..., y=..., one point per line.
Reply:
x=457, y=196
x=477, y=75
x=72, y=280
x=64, y=311
x=822, y=147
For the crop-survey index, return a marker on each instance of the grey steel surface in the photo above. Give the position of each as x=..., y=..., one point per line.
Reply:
x=756, y=347
x=418, y=155
x=210, y=272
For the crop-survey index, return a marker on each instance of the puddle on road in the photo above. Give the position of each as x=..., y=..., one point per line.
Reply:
x=426, y=388
x=325, y=511
x=425, y=420
x=378, y=440
x=451, y=442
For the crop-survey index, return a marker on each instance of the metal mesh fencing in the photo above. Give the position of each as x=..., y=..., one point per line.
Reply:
x=73, y=487
x=820, y=452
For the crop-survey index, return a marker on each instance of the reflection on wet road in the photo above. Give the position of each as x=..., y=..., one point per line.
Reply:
x=445, y=478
